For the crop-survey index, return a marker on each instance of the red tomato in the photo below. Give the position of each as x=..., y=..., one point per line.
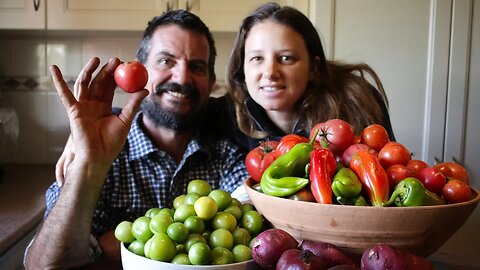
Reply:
x=394, y=153
x=131, y=76
x=453, y=170
x=351, y=150
x=334, y=134
x=375, y=136
x=432, y=179
x=415, y=166
x=260, y=158
x=288, y=142
x=397, y=173
x=303, y=194
x=456, y=191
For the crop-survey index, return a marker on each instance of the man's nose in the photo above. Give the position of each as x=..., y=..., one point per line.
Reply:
x=181, y=74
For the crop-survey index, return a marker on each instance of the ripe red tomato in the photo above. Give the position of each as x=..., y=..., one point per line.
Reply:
x=131, y=76
x=415, y=166
x=456, y=191
x=351, y=150
x=375, y=136
x=260, y=158
x=393, y=153
x=336, y=134
x=397, y=173
x=287, y=142
x=453, y=170
x=303, y=194
x=432, y=179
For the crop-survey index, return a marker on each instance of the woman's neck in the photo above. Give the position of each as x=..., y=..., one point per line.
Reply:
x=285, y=121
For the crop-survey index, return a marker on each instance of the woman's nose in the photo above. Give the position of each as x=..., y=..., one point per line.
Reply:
x=271, y=70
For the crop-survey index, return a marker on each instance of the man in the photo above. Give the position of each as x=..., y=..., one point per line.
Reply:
x=119, y=172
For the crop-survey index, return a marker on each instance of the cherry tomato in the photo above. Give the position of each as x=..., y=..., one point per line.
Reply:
x=397, y=173
x=131, y=76
x=351, y=150
x=456, y=191
x=453, y=170
x=335, y=134
x=375, y=136
x=288, y=142
x=415, y=166
x=432, y=179
x=394, y=153
x=260, y=158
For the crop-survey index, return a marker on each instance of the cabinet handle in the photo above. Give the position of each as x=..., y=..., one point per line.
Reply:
x=36, y=4
x=188, y=7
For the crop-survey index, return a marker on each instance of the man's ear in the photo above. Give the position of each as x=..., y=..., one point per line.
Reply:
x=212, y=81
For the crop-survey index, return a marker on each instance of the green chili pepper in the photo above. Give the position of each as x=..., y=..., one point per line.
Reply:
x=285, y=175
x=346, y=186
x=411, y=192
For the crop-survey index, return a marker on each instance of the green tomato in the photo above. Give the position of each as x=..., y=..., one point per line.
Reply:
x=141, y=229
x=179, y=200
x=247, y=207
x=205, y=207
x=221, y=238
x=221, y=197
x=201, y=187
x=181, y=258
x=241, y=253
x=222, y=255
x=253, y=222
x=183, y=212
x=167, y=211
x=235, y=211
x=235, y=202
x=152, y=212
x=190, y=198
x=146, y=248
x=123, y=232
x=137, y=247
x=200, y=254
x=193, y=239
x=160, y=223
x=195, y=224
x=178, y=232
x=224, y=220
x=162, y=248
x=241, y=236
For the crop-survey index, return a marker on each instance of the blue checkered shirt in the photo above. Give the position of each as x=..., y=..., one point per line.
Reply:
x=142, y=176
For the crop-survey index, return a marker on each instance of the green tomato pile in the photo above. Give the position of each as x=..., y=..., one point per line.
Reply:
x=204, y=227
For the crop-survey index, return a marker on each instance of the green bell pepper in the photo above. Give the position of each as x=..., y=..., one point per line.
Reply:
x=411, y=192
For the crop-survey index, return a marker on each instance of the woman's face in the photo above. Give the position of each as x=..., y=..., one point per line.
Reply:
x=276, y=66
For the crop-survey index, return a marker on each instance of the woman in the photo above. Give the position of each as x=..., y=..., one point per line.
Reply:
x=280, y=81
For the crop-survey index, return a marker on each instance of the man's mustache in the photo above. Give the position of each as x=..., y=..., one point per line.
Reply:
x=186, y=89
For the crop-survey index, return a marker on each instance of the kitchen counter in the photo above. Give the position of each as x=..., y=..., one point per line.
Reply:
x=22, y=200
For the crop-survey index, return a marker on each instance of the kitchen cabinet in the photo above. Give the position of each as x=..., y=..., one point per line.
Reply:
x=110, y=15
x=22, y=14
x=226, y=15
x=427, y=55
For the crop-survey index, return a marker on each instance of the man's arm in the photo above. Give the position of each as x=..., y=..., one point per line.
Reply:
x=98, y=136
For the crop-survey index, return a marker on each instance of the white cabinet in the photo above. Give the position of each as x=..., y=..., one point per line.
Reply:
x=427, y=56
x=22, y=14
x=226, y=15
x=124, y=15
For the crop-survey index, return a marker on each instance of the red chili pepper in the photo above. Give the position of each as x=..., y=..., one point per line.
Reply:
x=372, y=175
x=322, y=168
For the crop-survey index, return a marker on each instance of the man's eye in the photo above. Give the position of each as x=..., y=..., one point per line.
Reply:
x=287, y=58
x=198, y=68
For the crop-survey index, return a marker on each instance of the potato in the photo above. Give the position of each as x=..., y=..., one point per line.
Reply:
x=329, y=253
x=269, y=245
x=383, y=256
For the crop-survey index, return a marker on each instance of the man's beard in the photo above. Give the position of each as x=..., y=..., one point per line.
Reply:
x=163, y=117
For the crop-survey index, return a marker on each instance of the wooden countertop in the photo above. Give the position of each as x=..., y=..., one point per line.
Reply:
x=22, y=200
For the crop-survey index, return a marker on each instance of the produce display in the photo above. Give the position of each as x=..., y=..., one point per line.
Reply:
x=204, y=227
x=339, y=167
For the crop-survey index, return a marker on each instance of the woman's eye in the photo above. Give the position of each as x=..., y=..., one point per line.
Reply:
x=255, y=59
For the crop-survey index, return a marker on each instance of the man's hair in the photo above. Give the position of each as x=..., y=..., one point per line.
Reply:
x=185, y=20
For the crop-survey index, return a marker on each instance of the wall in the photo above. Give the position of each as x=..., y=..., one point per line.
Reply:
x=25, y=84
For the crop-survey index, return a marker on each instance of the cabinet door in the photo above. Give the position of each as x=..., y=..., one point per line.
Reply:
x=226, y=15
x=22, y=14
x=124, y=15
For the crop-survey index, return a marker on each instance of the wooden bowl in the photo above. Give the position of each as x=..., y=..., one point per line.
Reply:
x=420, y=230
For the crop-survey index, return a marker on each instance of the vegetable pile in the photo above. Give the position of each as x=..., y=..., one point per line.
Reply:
x=204, y=227
x=337, y=166
x=276, y=249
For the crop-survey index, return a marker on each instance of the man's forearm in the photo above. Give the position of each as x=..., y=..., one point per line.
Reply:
x=63, y=240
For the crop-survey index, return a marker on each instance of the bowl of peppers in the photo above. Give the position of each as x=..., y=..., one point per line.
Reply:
x=354, y=207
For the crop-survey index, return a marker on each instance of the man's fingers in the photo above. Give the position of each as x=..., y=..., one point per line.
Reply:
x=132, y=105
x=103, y=83
x=61, y=86
x=81, y=89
